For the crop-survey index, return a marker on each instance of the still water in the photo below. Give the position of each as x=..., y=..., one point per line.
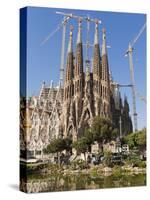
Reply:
x=81, y=182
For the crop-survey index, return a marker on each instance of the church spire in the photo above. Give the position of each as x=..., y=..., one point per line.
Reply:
x=70, y=45
x=79, y=36
x=104, y=49
x=105, y=67
x=96, y=57
x=79, y=53
x=69, y=67
x=105, y=78
x=96, y=39
x=42, y=92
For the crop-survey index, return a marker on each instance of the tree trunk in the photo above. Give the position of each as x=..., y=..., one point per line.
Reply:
x=85, y=157
x=58, y=158
x=100, y=144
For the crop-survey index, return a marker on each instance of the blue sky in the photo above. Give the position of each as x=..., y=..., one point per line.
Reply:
x=43, y=62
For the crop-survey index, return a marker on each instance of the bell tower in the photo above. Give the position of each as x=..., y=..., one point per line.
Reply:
x=79, y=75
x=105, y=82
x=97, y=72
x=68, y=86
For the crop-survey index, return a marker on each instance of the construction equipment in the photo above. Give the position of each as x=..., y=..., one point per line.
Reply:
x=88, y=19
x=142, y=98
x=66, y=15
x=129, y=53
x=63, y=52
x=123, y=85
x=116, y=85
x=120, y=127
x=87, y=61
x=63, y=24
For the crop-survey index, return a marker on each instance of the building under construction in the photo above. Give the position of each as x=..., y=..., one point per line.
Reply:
x=66, y=110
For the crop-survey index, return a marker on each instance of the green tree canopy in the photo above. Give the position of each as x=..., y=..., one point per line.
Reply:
x=137, y=139
x=81, y=145
x=58, y=145
x=103, y=130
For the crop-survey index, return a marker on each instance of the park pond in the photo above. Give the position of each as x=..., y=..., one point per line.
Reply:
x=80, y=181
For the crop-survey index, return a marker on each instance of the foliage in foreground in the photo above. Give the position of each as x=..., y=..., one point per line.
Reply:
x=136, y=140
x=102, y=130
x=58, y=145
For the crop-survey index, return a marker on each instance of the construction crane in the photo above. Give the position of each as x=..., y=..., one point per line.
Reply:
x=116, y=85
x=129, y=53
x=142, y=98
x=123, y=85
x=68, y=16
x=63, y=25
x=87, y=61
x=87, y=44
x=88, y=20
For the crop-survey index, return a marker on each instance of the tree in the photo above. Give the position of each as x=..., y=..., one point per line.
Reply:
x=58, y=145
x=130, y=140
x=103, y=130
x=67, y=144
x=107, y=160
x=89, y=138
x=137, y=139
x=81, y=145
x=141, y=140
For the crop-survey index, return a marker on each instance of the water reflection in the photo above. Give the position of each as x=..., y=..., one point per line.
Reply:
x=80, y=182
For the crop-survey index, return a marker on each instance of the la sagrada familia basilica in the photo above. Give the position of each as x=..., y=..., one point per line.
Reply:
x=66, y=110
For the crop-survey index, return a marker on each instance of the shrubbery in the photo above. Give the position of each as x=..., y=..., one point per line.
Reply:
x=107, y=159
x=136, y=140
x=136, y=162
x=79, y=165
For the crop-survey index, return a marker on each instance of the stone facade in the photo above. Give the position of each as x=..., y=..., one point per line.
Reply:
x=68, y=109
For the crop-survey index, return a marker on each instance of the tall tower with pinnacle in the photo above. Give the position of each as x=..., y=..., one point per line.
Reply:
x=68, y=86
x=79, y=76
x=97, y=72
x=105, y=81
x=68, y=110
